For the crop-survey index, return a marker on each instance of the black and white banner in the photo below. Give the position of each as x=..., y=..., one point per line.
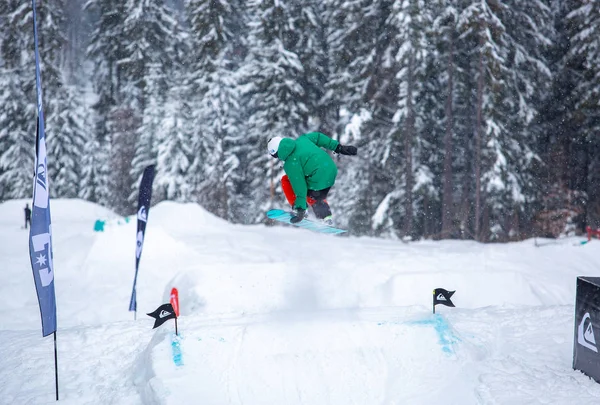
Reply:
x=40, y=234
x=162, y=314
x=587, y=322
x=441, y=296
x=145, y=195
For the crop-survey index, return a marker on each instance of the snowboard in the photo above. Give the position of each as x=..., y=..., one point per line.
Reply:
x=284, y=216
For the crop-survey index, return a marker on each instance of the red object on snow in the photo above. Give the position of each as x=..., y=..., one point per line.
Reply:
x=175, y=300
x=591, y=232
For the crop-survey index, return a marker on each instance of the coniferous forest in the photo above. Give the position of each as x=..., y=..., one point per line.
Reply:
x=474, y=119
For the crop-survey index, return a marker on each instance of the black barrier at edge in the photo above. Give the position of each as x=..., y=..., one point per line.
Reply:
x=586, y=357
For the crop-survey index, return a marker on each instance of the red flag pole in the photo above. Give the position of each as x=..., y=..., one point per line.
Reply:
x=174, y=300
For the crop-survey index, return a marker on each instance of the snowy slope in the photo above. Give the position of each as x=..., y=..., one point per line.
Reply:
x=278, y=315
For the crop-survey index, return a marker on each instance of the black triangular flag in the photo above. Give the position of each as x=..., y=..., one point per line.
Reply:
x=441, y=296
x=162, y=314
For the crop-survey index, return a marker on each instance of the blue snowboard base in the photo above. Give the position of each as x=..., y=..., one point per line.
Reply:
x=284, y=216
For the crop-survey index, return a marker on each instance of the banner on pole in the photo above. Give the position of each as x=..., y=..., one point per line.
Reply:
x=441, y=296
x=162, y=314
x=145, y=195
x=40, y=233
x=586, y=333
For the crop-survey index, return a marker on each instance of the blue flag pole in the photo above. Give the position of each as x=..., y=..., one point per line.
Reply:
x=40, y=234
x=145, y=195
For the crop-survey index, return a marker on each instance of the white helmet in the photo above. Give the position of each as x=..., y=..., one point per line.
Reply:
x=273, y=145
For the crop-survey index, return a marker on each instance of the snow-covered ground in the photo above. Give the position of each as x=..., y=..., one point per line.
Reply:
x=279, y=315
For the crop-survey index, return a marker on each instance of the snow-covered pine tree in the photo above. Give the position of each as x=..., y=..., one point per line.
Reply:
x=531, y=32
x=77, y=27
x=166, y=115
x=411, y=20
x=428, y=147
x=556, y=124
x=338, y=26
x=482, y=32
x=105, y=48
x=465, y=118
x=66, y=140
x=93, y=161
x=63, y=106
x=146, y=36
x=4, y=74
x=276, y=98
x=150, y=129
x=504, y=66
x=221, y=123
x=584, y=24
x=17, y=135
x=216, y=104
x=396, y=72
x=359, y=41
x=312, y=49
x=354, y=49
x=124, y=120
x=442, y=125
x=174, y=148
x=18, y=100
x=17, y=132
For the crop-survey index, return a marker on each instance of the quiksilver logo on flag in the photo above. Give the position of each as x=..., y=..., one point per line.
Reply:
x=162, y=314
x=139, y=244
x=585, y=333
x=41, y=187
x=142, y=215
x=442, y=296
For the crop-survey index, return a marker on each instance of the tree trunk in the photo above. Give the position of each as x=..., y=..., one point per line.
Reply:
x=447, y=202
x=72, y=49
x=464, y=210
x=592, y=183
x=124, y=121
x=408, y=139
x=478, y=136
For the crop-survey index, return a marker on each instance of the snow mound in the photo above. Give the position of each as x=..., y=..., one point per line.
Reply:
x=285, y=316
x=188, y=216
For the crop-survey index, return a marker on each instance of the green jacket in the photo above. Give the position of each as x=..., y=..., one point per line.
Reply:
x=307, y=165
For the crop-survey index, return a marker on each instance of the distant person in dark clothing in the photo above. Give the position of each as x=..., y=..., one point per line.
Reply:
x=27, y=216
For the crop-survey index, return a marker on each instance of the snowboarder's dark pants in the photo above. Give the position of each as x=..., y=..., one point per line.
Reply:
x=315, y=198
x=320, y=206
x=27, y=221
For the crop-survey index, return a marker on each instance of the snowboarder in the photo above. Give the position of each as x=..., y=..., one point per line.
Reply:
x=27, y=215
x=310, y=172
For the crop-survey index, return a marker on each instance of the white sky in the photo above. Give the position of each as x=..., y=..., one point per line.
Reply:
x=279, y=315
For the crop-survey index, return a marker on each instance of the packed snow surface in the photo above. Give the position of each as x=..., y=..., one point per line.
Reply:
x=279, y=315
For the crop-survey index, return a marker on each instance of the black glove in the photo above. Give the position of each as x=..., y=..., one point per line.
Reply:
x=346, y=150
x=298, y=216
